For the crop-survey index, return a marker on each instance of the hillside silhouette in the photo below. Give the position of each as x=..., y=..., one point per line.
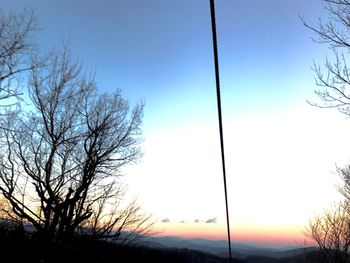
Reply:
x=19, y=245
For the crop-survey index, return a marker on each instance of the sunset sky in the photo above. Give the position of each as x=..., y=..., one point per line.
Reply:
x=281, y=153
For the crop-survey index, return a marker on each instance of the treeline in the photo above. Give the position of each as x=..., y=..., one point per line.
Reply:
x=20, y=245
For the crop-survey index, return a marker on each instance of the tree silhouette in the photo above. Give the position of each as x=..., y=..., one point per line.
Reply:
x=333, y=78
x=62, y=156
x=16, y=53
x=331, y=230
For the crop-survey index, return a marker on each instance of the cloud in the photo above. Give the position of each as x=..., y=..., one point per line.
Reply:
x=165, y=220
x=196, y=220
x=211, y=221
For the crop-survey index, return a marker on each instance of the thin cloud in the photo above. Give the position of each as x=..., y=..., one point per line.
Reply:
x=211, y=221
x=165, y=220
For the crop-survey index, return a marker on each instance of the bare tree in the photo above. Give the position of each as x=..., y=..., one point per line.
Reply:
x=16, y=50
x=331, y=232
x=114, y=221
x=333, y=78
x=63, y=156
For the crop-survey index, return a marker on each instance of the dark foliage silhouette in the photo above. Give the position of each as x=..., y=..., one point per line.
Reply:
x=19, y=246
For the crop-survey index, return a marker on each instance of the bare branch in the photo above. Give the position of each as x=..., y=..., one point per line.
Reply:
x=69, y=150
x=16, y=50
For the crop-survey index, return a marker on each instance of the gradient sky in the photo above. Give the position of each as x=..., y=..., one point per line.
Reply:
x=280, y=152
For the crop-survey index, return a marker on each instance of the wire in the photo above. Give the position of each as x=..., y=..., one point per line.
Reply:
x=218, y=96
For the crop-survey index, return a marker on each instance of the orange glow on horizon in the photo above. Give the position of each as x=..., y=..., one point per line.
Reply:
x=267, y=235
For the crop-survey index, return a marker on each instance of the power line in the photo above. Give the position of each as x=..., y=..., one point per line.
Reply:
x=218, y=96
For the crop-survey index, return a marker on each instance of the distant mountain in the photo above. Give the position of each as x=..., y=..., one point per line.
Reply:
x=220, y=247
x=20, y=246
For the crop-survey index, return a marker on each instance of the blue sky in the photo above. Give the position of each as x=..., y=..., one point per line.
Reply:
x=278, y=147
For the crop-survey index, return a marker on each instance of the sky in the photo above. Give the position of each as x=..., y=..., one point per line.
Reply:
x=281, y=153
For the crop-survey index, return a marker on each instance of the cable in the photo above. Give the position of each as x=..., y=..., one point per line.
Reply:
x=218, y=96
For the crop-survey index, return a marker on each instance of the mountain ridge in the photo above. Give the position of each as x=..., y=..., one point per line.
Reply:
x=220, y=247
